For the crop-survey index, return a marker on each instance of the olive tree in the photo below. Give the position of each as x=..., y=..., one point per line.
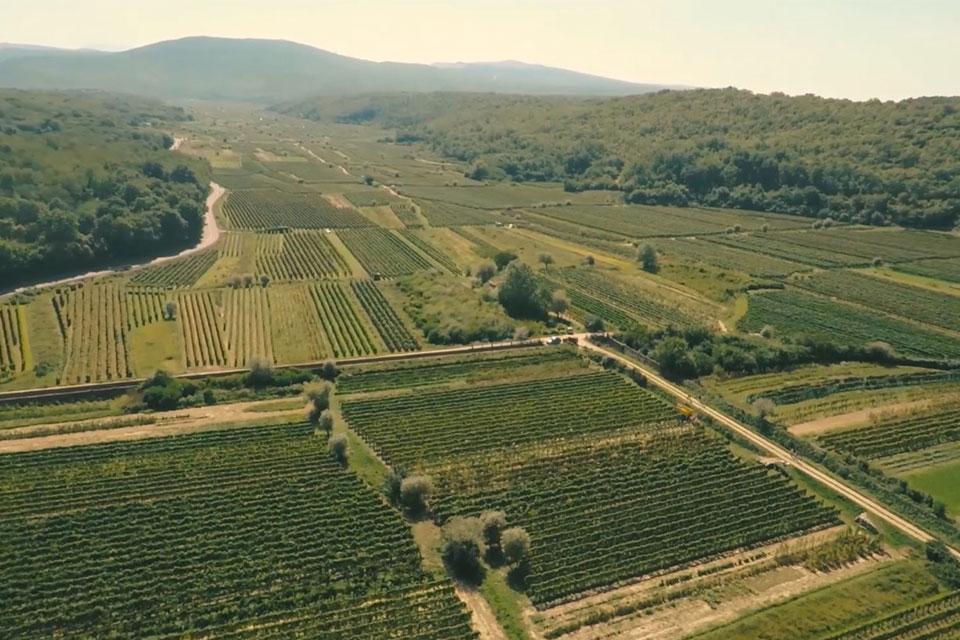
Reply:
x=415, y=493
x=339, y=447
x=515, y=543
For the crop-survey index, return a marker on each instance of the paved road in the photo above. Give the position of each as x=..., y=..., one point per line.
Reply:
x=772, y=448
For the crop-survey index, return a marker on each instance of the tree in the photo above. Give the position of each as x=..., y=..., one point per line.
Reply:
x=559, y=303
x=521, y=295
x=264, y=280
x=170, y=310
x=589, y=261
x=328, y=371
x=339, y=447
x=503, y=258
x=162, y=392
x=323, y=421
x=260, y=374
x=515, y=543
x=415, y=493
x=764, y=408
x=593, y=323
x=391, y=487
x=649, y=259
x=317, y=396
x=492, y=524
x=463, y=547
x=485, y=272
x=545, y=259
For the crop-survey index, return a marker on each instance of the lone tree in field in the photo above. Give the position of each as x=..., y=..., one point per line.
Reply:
x=764, y=408
x=415, y=493
x=463, y=547
x=515, y=542
x=391, y=487
x=170, y=310
x=339, y=448
x=649, y=259
x=589, y=261
x=545, y=259
x=559, y=303
x=485, y=272
x=521, y=295
x=264, y=280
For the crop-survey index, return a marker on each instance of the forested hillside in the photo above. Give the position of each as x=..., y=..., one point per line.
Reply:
x=872, y=162
x=87, y=179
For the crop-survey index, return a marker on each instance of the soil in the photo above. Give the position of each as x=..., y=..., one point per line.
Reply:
x=854, y=418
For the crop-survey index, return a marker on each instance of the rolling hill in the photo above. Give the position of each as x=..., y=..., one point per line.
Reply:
x=271, y=71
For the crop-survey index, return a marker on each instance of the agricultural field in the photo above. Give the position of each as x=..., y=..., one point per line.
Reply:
x=203, y=333
x=435, y=253
x=792, y=313
x=14, y=358
x=271, y=209
x=445, y=214
x=894, y=298
x=938, y=617
x=180, y=272
x=383, y=253
x=267, y=531
x=93, y=322
x=300, y=255
x=941, y=269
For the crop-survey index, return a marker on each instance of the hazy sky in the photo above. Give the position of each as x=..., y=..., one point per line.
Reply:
x=843, y=48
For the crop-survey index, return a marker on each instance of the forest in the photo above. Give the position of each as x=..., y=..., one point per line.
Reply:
x=865, y=162
x=86, y=180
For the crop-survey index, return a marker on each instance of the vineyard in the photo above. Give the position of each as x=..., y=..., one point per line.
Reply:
x=794, y=393
x=181, y=272
x=445, y=214
x=237, y=533
x=948, y=270
x=12, y=331
x=602, y=512
x=144, y=306
x=594, y=293
x=93, y=322
x=794, y=313
x=409, y=375
x=247, y=326
x=437, y=425
x=938, y=618
x=725, y=257
x=388, y=324
x=484, y=247
x=347, y=334
x=382, y=252
x=200, y=326
x=406, y=212
x=300, y=255
x=271, y=209
x=892, y=297
x=893, y=435
x=438, y=256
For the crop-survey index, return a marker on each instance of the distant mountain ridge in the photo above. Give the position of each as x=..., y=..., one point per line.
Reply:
x=271, y=71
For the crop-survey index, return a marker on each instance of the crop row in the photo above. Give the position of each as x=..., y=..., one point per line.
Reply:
x=418, y=374
x=301, y=255
x=144, y=306
x=602, y=513
x=382, y=253
x=897, y=434
x=948, y=270
x=297, y=334
x=892, y=297
x=342, y=323
x=484, y=247
x=792, y=394
x=274, y=209
x=795, y=313
x=438, y=256
x=388, y=324
x=247, y=326
x=406, y=213
x=601, y=295
x=94, y=321
x=12, y=326
x=180, y=272
x=202, y=331
x=240, y=533
x=435, y=425
x=938, y=618
x=446, y=214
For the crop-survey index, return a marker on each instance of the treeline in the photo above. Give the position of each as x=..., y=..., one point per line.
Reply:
x=86, y=180
x=867, y=162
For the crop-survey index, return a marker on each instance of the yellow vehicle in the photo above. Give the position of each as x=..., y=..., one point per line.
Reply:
x=686, y=413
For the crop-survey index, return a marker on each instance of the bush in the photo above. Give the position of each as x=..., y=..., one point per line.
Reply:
x=415, y=493
x=339, y=447
x=503, y=258
x=329, y=371
x=515, y=543
x=261, y=373
x=521, y=295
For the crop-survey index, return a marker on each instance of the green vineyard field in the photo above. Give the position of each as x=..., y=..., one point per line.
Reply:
x=93, y=321
x=300, y=255
x=180, y=272
x=381, y=252
x=936, y=619
x=12, y=330
x=439, y=256
x=392, y=331
x=270, y=209
x=237, y=533
x=893, y=435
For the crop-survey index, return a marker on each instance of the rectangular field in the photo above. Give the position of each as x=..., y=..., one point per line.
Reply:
x=93, y=321
x=269, y=209
x=382, y=252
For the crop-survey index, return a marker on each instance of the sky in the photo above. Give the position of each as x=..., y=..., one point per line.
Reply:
x=858, y=49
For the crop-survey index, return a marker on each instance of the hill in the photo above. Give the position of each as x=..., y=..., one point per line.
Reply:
x=873, y=162
x=270, y=71
x=86, y=180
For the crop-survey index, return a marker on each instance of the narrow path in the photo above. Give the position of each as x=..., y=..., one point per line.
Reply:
x=865, y=502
